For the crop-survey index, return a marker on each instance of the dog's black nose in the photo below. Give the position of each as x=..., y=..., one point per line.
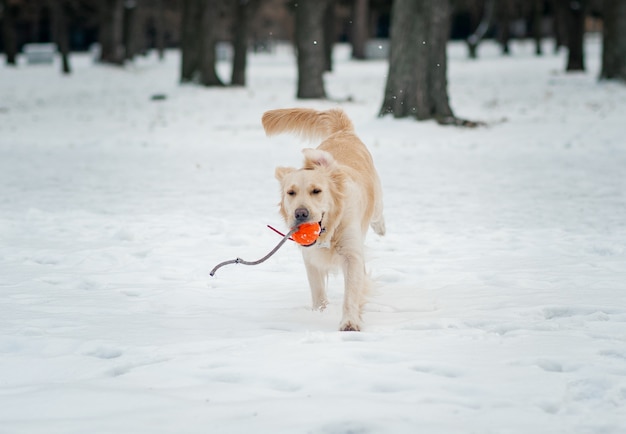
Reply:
x=301, y=215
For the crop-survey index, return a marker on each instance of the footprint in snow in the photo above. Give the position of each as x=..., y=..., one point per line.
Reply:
x=593, y=314
x=125, y=368
x=554, y=366
x=105, y=353
x=549, y=407
x=274, y=383
x=438, y=370
x=614, y=354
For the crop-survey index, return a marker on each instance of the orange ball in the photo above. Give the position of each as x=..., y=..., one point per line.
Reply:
x=307, y=233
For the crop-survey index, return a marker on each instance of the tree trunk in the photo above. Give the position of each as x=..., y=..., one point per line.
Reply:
x=244, y=9
x=310, y=47
x=560, y=28
x=504, y=25
x=111, y=32
x=537, y=20
x=485, y=23
x=614, y=40
x=329, y=34
x=359, y=34
x=190, y=46
x=135, y=23
x=208, y=40
x=438, y=59
x=416, y=82
x=160, y=28
x=58, y=10
x=9, y=33
x=575, y=12
x=129, y=23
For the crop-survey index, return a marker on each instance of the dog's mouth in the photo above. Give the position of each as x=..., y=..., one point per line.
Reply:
x=322, y=231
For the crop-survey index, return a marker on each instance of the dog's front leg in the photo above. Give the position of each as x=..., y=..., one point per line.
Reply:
x=317, y=282
x=354, y=292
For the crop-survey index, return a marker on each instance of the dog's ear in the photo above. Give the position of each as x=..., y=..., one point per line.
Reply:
x=317, y=157
x=281, y=172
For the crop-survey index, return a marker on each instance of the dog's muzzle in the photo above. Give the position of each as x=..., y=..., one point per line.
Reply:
x=322, y=231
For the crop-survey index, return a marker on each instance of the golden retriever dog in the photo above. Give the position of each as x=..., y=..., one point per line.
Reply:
x=338, y=187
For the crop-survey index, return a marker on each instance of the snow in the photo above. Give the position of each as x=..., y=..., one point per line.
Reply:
x=500, y=301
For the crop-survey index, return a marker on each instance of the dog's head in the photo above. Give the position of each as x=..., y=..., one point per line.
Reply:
x=312, y=193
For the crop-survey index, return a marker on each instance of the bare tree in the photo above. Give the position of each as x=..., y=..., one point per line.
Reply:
x=503, y=17
x=310, y=48
x=199, y=40
x=244, y=9
x=500, y=14
x=59, y=12
x=559, y=19
x=329, y=34
x=485, y=23
x=537, y=19
x=575, y=11
x=159, y=23
x=9, y=33
x=417, y=82
x=208, y=41
x=134, y=28
x=359, y=33
x=190, y=45
x=111, y=31
x=614, y=40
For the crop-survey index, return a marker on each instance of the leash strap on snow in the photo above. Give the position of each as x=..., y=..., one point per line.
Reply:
x=263, y=259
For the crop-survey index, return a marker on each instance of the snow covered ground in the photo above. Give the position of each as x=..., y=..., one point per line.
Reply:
x=500, y=305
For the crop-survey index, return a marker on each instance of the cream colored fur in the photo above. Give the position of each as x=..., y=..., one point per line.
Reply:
x=337, y=185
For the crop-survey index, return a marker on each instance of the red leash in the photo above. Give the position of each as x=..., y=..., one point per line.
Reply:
x=278, y=232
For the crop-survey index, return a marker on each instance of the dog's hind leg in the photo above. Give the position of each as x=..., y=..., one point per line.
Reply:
x=378, y=220
x=317, y=282
x=378, y=225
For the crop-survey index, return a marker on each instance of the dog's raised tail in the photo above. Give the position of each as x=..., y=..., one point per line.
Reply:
x=307, y=123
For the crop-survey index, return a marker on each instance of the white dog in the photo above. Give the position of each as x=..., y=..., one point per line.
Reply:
x=338, y=187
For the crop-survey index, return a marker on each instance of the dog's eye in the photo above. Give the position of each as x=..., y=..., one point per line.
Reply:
x=291, y=193
x=316, y=191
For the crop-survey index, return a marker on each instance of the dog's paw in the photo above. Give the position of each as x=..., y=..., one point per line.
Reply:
x=349, y=326
x=379, y=227
x=320, y=306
